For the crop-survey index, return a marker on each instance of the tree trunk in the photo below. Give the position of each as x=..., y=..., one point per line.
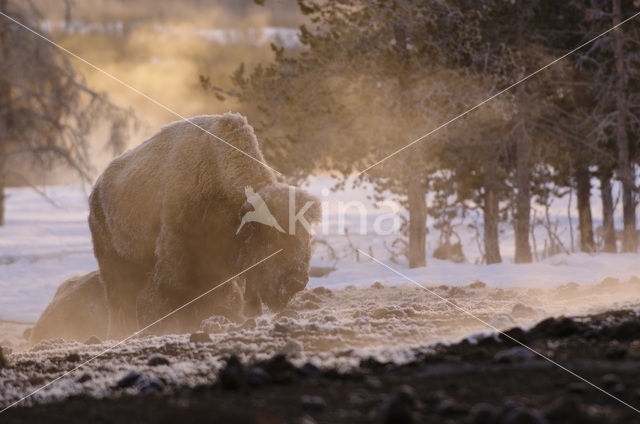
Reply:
x=2, y=185
x=583, y=193
x=5, y=93
x=523, y=165
x=626, y=172
x=491, y=214
x=523, y=175
x=416, y=194
x=608, y=228
x=417, y=224
x=570, y=219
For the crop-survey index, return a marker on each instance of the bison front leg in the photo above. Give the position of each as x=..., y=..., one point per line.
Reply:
x=164, y=303
x=122, y=282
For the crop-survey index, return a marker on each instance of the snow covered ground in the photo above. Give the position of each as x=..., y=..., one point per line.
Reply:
x=253, y=36
x=43, y=244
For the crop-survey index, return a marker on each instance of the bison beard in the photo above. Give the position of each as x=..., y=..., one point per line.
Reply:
x=163, y=218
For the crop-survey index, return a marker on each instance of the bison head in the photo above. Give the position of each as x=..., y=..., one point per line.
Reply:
x=275, y=217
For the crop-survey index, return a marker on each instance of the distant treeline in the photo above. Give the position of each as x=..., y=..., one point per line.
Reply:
x=373, y=76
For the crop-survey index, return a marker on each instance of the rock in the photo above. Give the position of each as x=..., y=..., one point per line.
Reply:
x=483, y=413
x=521, y=310
x=308, y=295
x=612, y=383
x=567, y=410
x=322, y=291
x=200, y=337
x=609, y=380
x=232, y=376
x=514, y=355
x=520, y=415
x=84, y=378
x=449, y=407
x=332, y=374
x=510, y=336
x=78, y=310
x=158, y=359
x=372, y=363
x=556, y=328
x=257, y=377
x=564, y=327
x=307, y=306
x=377, y=285
x=291, y=348
x=306, y=419
x=609, y=283
x=308, y=370
x=152, y=385
x=401, y=408
x=634, y=349
x=501, y=321
x=476, y=353
x=359, y=398
x=499, y=294
x=541, y=329
x=628, y=330
x=311, y=403
x=457, y=292
x=130, y=379
x=284, y=327
x=577, y=387
x=617, y=351
x=72, y=357
x=373, y=382
x=290, y=313
x=569, y=288
x=280, y=369
x=387, y=312
x=93, y=340
x=3, y=360
x=477, y=285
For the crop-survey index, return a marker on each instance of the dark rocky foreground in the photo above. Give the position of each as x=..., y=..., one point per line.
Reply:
x=490, y=379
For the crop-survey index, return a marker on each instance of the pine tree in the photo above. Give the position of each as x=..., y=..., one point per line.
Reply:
x=46, y=108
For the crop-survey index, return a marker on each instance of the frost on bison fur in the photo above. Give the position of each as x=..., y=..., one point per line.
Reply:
x=164, y=216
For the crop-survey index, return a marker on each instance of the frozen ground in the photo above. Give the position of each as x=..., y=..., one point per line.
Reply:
x=328, y=328
x=43, y=244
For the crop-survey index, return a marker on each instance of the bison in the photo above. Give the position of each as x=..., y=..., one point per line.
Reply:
x=164, y=218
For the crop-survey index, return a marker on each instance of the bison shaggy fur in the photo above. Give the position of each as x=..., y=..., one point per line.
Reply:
x=164, y=216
